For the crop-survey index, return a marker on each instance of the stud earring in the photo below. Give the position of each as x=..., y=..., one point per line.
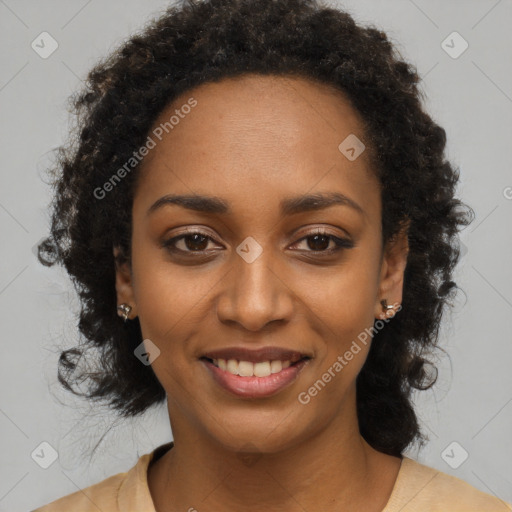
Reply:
x=124, y=310
x=385, y=307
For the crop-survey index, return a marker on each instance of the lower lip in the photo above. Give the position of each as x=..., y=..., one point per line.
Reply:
x=255, y=387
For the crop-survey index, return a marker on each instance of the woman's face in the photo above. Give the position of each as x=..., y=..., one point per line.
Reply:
x=252, y=279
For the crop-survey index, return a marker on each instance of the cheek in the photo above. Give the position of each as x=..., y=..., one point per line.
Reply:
x=164, y=292
x=343, y=306
x=173, y=305
x=344, y=298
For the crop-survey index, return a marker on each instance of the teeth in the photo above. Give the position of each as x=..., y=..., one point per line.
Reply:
x=232, y=366
x=248, y=369
x=276, y=366
x=262, y=369
x=245, y=369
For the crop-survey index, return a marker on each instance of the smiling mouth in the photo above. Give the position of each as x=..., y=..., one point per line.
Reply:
x=250, y=369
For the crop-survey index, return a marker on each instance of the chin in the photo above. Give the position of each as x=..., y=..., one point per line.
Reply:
x=259, y=436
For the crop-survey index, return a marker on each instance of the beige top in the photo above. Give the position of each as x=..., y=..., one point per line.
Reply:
x=418, y=488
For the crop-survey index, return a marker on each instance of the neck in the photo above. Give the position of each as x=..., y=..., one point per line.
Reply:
x=333, y=470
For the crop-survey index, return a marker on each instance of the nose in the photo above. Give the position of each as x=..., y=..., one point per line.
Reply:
x=255, y=294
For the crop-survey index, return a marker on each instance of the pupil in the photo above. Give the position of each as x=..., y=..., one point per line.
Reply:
x=195, y=242
x=315, y=246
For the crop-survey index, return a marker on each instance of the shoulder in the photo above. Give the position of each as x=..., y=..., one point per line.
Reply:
x=102, y=495
x=110, y=494
x=421, y=488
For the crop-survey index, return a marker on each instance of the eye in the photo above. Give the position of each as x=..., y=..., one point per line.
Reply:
x=320, y=240
x=191, y=242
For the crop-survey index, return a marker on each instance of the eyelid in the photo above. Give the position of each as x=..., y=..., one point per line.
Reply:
x=170, y=242
x=321, y=230
x=308, y=231
x=340, y=242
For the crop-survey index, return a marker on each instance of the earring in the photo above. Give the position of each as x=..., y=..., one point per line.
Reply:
x=124, y=310
x=385, y=306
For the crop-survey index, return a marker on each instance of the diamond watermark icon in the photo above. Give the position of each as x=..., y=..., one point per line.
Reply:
x=249, y=249
x=454, y=45
x=454, y=454
x=351, y=147
x=146, y=352
x=44, y=455
x=44, y=45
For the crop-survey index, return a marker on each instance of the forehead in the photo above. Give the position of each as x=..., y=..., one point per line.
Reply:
x=252, y=137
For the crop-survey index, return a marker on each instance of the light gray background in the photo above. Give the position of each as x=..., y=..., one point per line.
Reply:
x=471, y=97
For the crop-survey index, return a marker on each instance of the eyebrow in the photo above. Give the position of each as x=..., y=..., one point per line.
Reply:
x=288, y=206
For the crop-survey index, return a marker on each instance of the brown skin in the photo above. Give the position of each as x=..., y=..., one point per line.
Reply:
x=254, y=141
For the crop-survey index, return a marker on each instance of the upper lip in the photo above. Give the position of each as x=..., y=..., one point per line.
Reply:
x=256, y=355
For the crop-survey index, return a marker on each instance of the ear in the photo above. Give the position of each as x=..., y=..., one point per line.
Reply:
x=124, y=282
x=393, y=266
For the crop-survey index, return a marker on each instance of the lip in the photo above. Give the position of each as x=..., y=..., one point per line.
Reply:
x=255, y=387
x=256, y=355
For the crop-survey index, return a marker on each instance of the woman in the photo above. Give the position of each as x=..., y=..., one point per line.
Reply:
x=263, y=228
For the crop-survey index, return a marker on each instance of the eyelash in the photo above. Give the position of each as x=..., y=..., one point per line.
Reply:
x=341, y=243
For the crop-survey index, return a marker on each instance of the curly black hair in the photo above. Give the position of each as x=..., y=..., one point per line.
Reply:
x=197, y=42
